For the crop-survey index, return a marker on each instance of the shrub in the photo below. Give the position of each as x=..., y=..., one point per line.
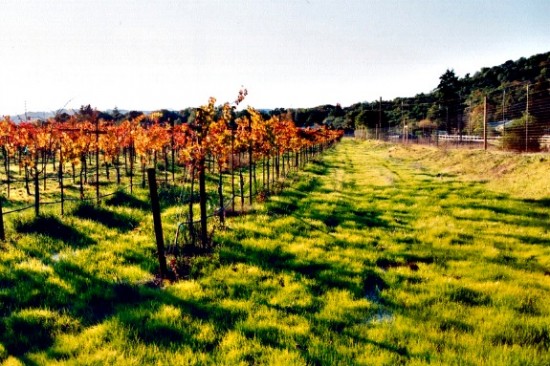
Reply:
x=515, y=135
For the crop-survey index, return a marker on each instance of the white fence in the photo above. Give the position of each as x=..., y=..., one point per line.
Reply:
x=443, y=138
x=467, y=138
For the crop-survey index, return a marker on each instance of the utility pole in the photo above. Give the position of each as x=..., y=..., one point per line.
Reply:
x=527, y=121
x=447, y=121
x=503, y=110
x=459, y=116
x=380, y=118
x=485, y=122
x=402, y=121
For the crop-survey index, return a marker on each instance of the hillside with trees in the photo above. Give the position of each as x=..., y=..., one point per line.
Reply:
x=454, y=106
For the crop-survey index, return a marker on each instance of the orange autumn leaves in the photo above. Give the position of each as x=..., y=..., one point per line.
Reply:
x=210, y=134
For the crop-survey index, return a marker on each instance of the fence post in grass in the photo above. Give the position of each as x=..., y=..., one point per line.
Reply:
x=485, y=123
x=155, y=206
x=220, y=193
x=36, y=191
x=97, y=160
x=527, y=121
x=61, y=188
x=249, y=161
x=2, y=232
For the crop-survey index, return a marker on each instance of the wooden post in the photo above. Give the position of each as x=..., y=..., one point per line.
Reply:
x=485, y=123
x=503, y=112
x=191, y=201
x=60, y=172
x=81, y=184
x=155, y=206
x=36, y=187
x=132, y=167
x=2, y=232
x=7, y=157
x=527, y=121
x=202, y=202
x=379, y=129
x=241, y=181
x=97, y=160
x=220, y=192
x=250, y=161
x=172, y=150
x=233, y=169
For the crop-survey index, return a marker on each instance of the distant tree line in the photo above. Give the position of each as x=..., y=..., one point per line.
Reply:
x=455, y=106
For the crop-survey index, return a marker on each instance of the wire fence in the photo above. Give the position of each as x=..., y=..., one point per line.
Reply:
x=183, y=182
x=47, y=179
x=218, y=212
x=516, y=118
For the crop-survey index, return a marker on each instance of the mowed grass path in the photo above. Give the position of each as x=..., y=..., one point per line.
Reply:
x=370, y=256
x=382, y=261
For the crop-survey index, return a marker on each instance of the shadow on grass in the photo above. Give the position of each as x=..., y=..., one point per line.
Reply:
x=281, y=207
x=467, y=296
x=343, y=215
x=123, y=199
x=136, y=306
x=318, y=167
x=72, y=188
x=53, y=227
x=26, y=289
x=525, y=334
x=6, y=202
x=102, y=183
x=25, y=327
x=245, y=211
x=326, y=276
x=288, y=201
x=527, y=239
x=530, y=264
x=543, y=202
x=170, y=195
x=529, y=210
x=33, y=310
x=512, y=213
x=276, y=259
x=30, y=330
x=112, y=220
x=165, y=321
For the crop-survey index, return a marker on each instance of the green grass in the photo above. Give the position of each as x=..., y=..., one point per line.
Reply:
x=376, y=254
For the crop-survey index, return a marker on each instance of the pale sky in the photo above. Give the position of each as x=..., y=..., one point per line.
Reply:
x=152, y=54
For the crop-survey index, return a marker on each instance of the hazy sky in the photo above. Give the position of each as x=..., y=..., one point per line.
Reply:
x=172, y=54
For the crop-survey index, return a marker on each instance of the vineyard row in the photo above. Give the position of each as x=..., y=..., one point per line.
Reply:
x=216, y=140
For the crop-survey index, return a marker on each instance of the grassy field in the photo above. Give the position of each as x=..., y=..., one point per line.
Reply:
x=377, y=254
